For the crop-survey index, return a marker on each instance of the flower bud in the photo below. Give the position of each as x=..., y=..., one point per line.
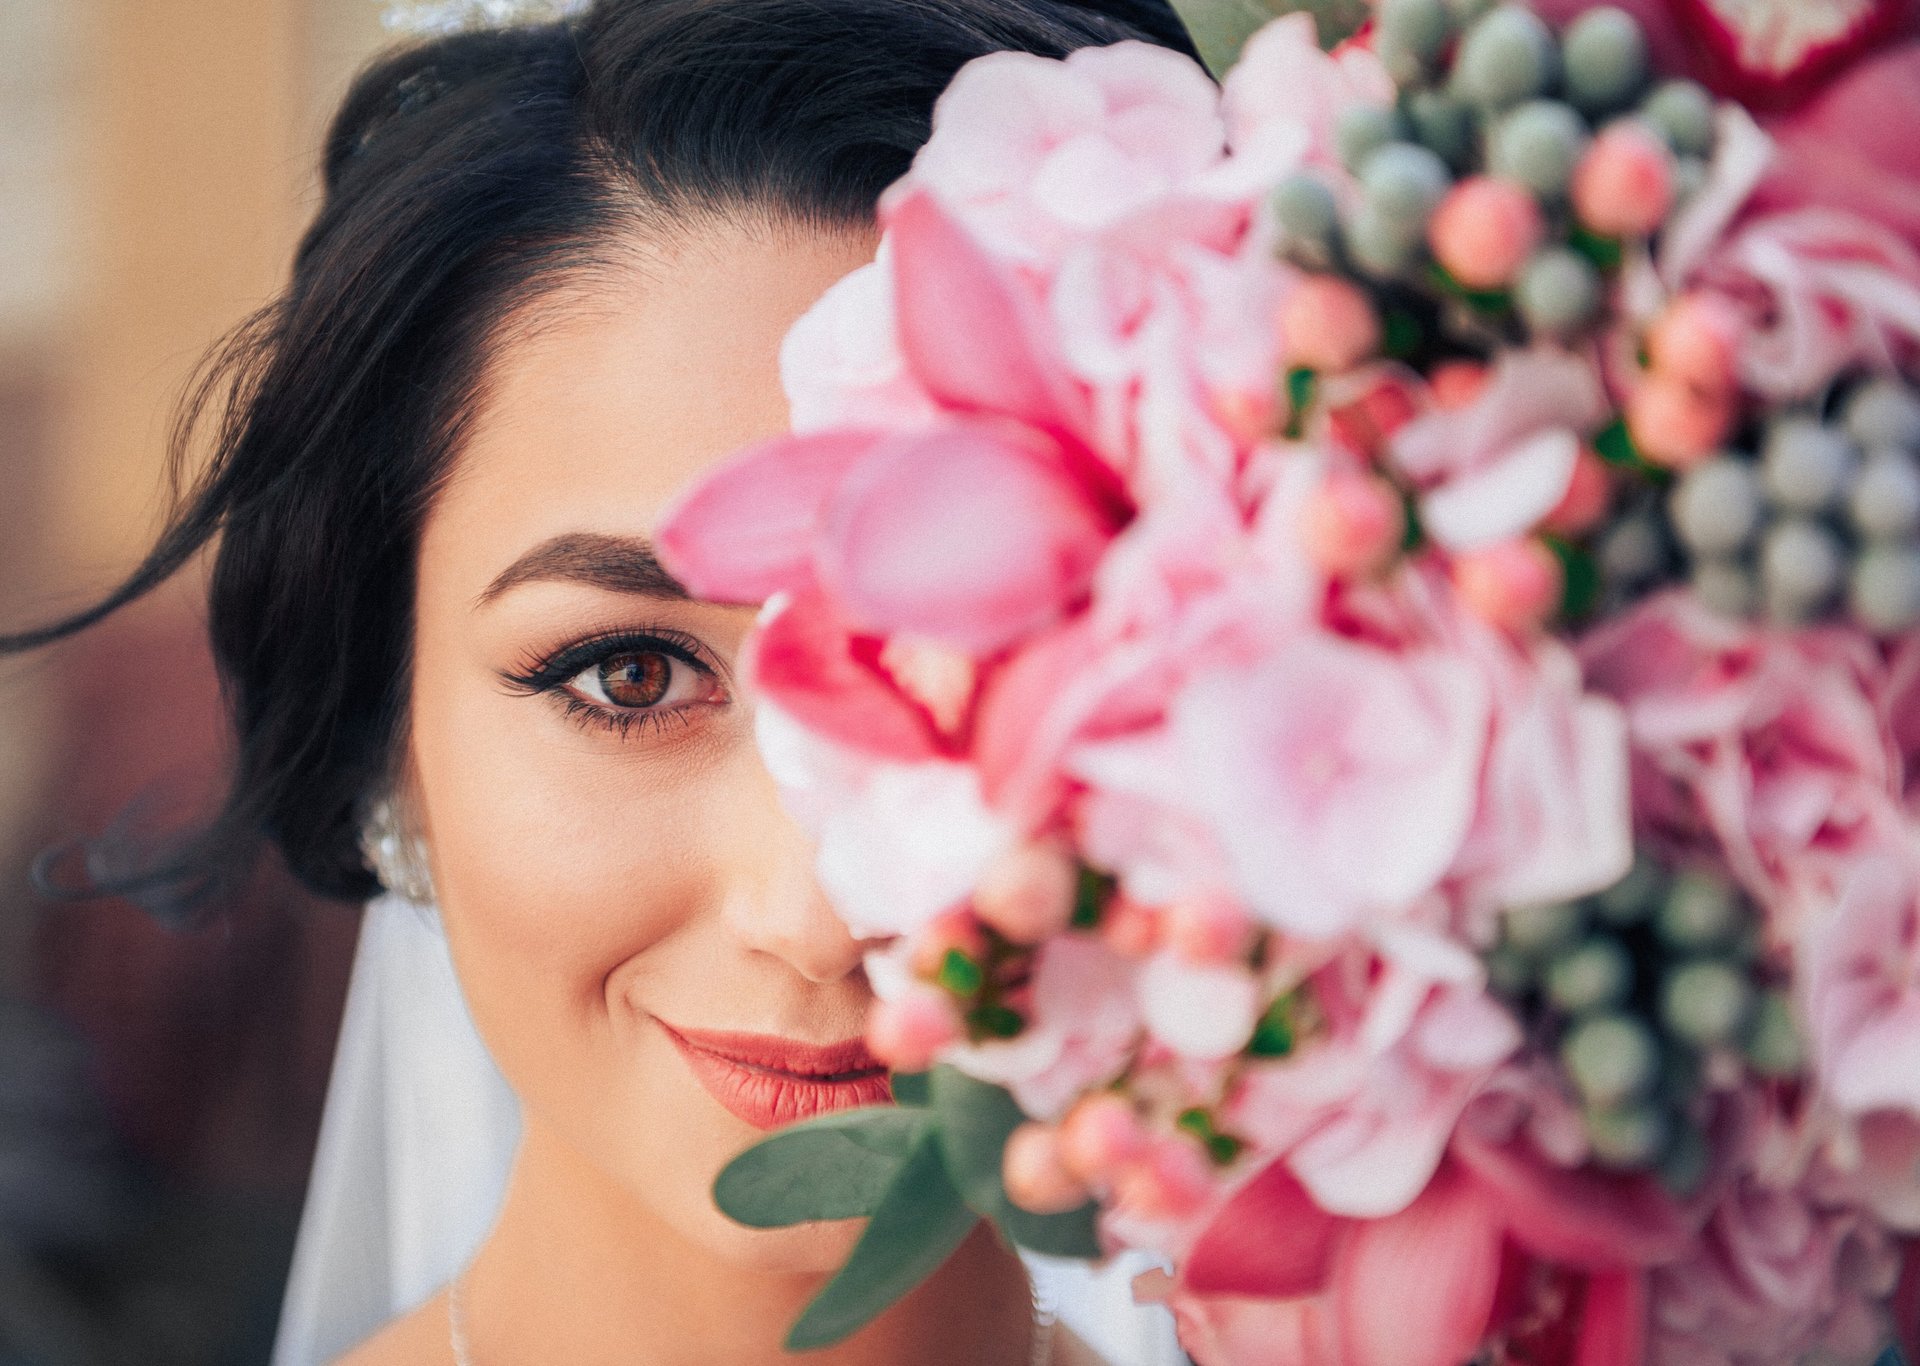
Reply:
x=1207, y=929
x=1027, y=893
x=956, y=930
x=1515, y=585
x=1676, y=425
x=1173, y=1181
x=1692, y=342
x=1353, y=523
x=908, y=1031
x=1130, y=929
x=1623, y=186
x=1099, y=1136
x=1034, y=1173
x=1485, y=230
x=1327, y=323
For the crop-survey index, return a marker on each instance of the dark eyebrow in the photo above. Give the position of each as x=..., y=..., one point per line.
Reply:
x=620, y=564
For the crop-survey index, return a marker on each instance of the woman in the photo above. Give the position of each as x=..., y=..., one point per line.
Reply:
x=547, y=287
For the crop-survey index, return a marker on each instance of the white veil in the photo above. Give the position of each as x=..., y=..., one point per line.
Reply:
x=415, y=1145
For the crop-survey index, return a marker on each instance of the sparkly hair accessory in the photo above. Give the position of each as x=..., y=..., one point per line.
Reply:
x=432, y=18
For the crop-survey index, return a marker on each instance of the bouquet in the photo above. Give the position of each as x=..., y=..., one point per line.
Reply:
x=1356, y=632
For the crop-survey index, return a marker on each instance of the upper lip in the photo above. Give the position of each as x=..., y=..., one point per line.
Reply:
x=843, y=1061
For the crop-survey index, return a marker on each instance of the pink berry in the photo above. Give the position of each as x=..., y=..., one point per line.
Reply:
x=1173, y=1181
x=1353, y=523
x=1485, y=230
x=1457, y=383
x=908, y=1031
x=1692, y=342
x=1208, y=929
x=1515, y=584
x=1130, y=929
x=956, y=930
x=1036, y=1177
x=1623, y=186
x=1100, y=1136
x=1676, y=425
x=1589, y=492
x=1328, y=324
x=1027, y=893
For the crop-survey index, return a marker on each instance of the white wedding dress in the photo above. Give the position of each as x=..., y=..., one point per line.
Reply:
x=414, y=1149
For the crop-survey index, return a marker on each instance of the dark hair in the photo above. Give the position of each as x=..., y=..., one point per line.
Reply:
x=463, y=177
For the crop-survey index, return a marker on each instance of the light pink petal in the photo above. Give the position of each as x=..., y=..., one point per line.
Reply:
x=974, y=341
x=803, y=658
x=1506, y=497
x=970, y=535
x=1271, y=1240
x=1465, y=1031
x=1201, y=1011
x=1227, y=1330
x=841, y=363
x=1441, y=1256
x=1879, y=1068
x=746, y=530
x=1374, y=1160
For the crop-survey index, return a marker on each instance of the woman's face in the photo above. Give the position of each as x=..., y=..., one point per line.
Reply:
x=613, y=866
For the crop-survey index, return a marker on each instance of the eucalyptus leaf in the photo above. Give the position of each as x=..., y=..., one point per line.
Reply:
x=974, y=1119
x=909, y=1088
x=1220, y=28
x=836, y=1166
x=915, y=1227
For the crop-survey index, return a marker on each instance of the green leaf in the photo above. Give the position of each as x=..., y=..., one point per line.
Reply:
x=909, y=1088
x=974, y=1119
x=916, y=1226
x=959, y=974
x=993, y=1021
x=1220, y=28
x=1093, y=889
x=1581, y=576
x=1606, y=253
x=837, y=1166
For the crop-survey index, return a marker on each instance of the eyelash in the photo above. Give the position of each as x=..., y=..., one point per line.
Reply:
x=549, y=675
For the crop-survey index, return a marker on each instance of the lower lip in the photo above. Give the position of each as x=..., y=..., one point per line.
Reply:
x=768, y=1098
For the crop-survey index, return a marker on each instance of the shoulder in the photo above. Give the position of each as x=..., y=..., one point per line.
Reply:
x=415, y=1339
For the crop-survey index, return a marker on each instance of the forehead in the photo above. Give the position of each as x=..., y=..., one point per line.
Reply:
x=616, y=391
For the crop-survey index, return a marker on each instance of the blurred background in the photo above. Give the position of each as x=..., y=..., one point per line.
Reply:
x=160, y=1087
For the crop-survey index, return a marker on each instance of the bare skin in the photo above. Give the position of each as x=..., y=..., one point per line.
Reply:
x=605, y=865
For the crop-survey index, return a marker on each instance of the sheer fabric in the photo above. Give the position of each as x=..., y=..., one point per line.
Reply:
x=417, y=1139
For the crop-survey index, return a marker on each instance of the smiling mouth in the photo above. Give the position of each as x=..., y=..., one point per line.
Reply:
x=769, y=1081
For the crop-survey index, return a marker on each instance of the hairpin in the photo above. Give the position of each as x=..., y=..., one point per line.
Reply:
x=431, y=18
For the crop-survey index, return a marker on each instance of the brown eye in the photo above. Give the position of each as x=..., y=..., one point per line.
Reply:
x=635, y=680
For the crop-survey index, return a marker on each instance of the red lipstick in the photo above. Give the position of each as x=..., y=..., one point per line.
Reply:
x=769, y=1081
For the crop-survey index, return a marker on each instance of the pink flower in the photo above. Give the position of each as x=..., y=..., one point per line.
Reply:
x=1774, y=1277
x=1085, y=1025
x=1363, y=1116
x=1301, y=759
x=1860, y=984
x=1847, y=148
x=1283, y=82
x=841, y=363
x=1496, y=468
x=1034, y=154
x=1768, y=741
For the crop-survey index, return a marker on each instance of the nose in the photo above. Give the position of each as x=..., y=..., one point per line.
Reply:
x=776, y=905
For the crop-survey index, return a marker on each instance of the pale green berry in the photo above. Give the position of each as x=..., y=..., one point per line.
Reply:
x=1538, y=144
x=1632, y=552
x=1706, y=1002
x=1509, y=972
x=1702, y=910
x=1404, y=181
x=1605, y=52
x=1364, y=129
x=1507, y=56
x=1628, y=1137
x=1544, y=929
x=1464, y=12
x=1726, y=587
x=1632, y=899
x=1383, y=247
x=1884, y=413
x=1716, y=508
x=1884, y=500
x=1410, y=34
x=1774, y=1046
x=1687, y=1161
x=1443, y=124
x=1594, y=975
x=1689, y=178
x=1883, y=588
x=1682, y=113
x=1801, y=566
x=1558, y=292
x=1610, y=1059
x=1806, y=464
x=1307, y=213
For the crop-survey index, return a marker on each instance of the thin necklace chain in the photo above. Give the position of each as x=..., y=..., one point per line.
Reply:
x=1044, y=1320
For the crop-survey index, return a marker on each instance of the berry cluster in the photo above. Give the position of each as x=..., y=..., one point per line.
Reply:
x=1644, y=992
x=1818, y=517
x=1494, y=197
